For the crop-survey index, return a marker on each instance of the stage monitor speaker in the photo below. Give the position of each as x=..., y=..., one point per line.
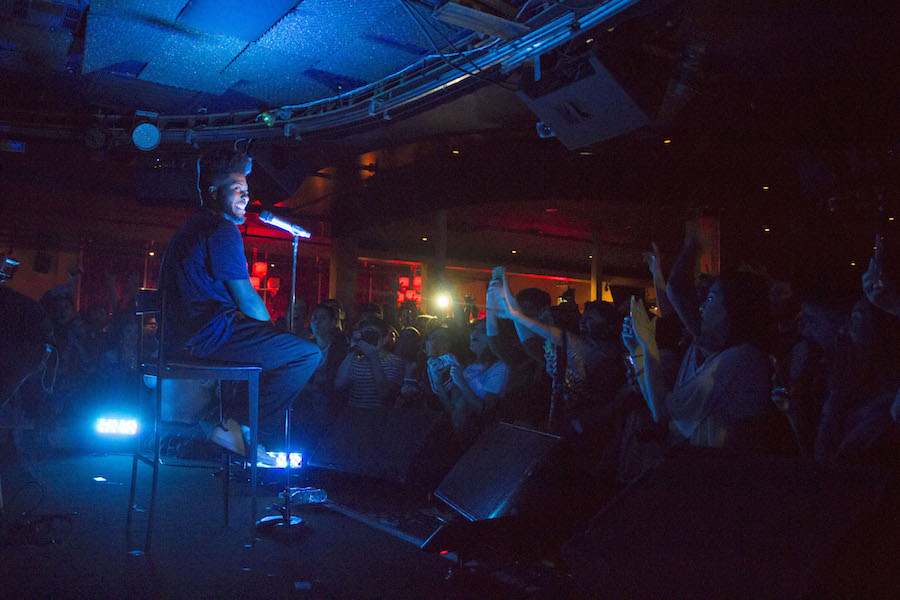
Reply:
x=488, y=478
x=711, y=526
x=408, y=447
x=593, y=108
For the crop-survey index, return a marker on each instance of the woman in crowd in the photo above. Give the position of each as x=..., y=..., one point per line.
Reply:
x=469, y=394
x=721, y=396
x=586, y=367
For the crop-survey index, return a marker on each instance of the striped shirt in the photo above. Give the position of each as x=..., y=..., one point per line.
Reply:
x=363, y=392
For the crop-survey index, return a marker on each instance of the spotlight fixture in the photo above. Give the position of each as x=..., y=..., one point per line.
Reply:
x=424, y=239
x=145, y=135
x=513, y=251
x=443, y=301
x=852, y=264
x=890, y=218
x=151, y=253
x=667, y=141
x=767, y=230
x=765, y=187
x=455, y=151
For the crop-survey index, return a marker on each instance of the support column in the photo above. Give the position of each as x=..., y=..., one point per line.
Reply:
x=440, y=247
x=342, y=272
x=597, y=263
x=424, y=271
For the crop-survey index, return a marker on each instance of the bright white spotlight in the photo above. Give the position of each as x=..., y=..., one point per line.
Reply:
x=281, y=460
x=107, y=426
x=443, y=301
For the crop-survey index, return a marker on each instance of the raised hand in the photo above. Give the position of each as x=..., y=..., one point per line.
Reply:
x=879, y=292
x=652, y=260
x=642, y=326
x=496, y=298
x=456, y=374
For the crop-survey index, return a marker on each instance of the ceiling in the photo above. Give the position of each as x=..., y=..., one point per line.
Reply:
x=796, y=96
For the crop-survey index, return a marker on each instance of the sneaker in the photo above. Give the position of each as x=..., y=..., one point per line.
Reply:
x=235, y=437
x=263, y=458
x=229, y=436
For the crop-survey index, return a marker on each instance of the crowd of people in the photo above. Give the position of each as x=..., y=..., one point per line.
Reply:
x=733, y=361
x=729, y=361
x=726, y=362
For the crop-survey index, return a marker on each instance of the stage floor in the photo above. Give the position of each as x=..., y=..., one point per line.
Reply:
x=195, y=555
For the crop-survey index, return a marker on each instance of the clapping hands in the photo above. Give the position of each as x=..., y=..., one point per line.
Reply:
x=638, y=329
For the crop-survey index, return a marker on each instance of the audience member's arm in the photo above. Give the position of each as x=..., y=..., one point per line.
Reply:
x=659, y=283
x=496, y=339
x=881, y=293
x=344, y=372
x=468, y=394
x=385, y=388
x=680, y=288
x=639, y=336
x=522, y=321
x=247, y=300
x=505, y=299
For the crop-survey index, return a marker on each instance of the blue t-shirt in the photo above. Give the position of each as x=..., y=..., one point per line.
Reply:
x=205, y=253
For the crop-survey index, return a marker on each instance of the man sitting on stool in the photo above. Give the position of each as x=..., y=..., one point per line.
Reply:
x=213, y=312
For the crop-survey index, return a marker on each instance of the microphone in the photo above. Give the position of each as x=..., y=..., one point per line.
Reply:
x=270, y=219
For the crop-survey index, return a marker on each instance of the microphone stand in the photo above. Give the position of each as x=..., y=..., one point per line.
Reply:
x=286, y=526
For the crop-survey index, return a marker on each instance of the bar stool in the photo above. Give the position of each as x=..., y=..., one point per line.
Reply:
x=152, y=303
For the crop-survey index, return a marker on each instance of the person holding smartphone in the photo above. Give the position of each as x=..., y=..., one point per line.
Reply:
x=370, y=375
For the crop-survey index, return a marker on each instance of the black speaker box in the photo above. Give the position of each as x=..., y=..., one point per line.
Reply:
x=706, y=525
x=487, y=480
x=404, y=446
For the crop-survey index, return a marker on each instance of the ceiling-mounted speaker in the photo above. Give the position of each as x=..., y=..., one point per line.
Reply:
x=592, y=108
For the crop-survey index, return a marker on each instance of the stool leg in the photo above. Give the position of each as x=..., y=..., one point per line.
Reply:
x=226, y=485
x=253, y=394
x=287, y=468
x=134, y=464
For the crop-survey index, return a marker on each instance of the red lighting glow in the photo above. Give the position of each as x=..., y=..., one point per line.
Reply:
x=260, y=269
x=254, y=281
x=409, y=293
x=273, y=283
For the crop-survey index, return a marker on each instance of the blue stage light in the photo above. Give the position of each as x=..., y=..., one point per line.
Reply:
x=281, y=460
x=112, y=426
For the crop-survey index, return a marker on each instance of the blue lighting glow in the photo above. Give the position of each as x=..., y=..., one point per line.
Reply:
x=107, y=426
x=281, y=460
x=100, y=479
